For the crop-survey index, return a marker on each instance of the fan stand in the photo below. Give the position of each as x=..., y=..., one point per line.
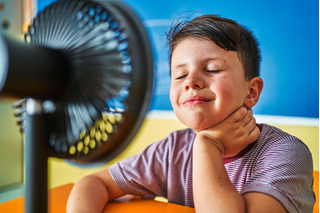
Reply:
x=36, y=158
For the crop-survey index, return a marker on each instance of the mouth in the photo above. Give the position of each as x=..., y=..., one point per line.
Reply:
x=195, y=100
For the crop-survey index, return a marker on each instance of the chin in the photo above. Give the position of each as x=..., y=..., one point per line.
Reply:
x=198, y=125
x=199, y=121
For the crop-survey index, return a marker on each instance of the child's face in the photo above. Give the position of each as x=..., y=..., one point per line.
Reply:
x=207, y=83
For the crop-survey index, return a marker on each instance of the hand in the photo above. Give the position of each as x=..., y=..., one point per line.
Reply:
x=234, y=133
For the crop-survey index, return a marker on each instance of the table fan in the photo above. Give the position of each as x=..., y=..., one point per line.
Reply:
x=85, y=77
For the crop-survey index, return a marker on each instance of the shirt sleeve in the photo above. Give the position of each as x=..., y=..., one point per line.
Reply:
x=285, y=171
x=144, y=174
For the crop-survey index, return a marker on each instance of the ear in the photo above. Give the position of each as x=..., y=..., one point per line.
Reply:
x=255, y=86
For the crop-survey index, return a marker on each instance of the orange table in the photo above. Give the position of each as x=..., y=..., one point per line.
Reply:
x=58, y=201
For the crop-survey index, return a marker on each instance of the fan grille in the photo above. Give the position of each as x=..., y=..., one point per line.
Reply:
x=96, y=40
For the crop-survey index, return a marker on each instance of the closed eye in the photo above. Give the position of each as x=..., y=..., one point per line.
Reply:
x=181, y=77
x=213, y=71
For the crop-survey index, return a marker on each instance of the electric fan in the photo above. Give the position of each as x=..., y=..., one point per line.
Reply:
x=85, y=74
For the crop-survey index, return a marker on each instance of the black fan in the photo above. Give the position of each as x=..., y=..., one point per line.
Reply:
x=86, y=76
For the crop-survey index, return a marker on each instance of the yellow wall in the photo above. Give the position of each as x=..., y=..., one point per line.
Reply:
x=11, y=151
x=152, y=130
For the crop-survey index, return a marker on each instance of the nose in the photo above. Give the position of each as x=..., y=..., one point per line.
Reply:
x=194, y=82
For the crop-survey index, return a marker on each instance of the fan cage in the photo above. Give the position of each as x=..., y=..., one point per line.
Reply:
x=110, y=60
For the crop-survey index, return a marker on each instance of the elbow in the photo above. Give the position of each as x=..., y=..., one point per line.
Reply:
x=231, y=204
x=89, y=194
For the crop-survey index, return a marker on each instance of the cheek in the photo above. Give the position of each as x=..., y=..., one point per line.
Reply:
x=173, y=96
x=231, y=95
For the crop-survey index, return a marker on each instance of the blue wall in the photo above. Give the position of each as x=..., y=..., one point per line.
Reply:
x=288, y=33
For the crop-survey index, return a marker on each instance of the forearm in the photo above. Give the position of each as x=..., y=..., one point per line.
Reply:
x=88, y=195
x=213, y=191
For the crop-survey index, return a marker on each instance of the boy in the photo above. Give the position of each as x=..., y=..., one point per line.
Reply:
x=225, y=162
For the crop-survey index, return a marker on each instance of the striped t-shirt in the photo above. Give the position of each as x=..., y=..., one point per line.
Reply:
x=277, y=164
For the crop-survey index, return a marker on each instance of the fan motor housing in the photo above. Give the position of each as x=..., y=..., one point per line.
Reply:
x=31, y=71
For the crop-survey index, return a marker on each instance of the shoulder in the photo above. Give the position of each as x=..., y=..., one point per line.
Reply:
x=280, y=153
x=272, y=138
x=183, y=136
x=281, y=167
x=176, y=142
x=271, y=133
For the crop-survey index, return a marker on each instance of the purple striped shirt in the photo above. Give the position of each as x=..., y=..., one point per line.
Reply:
x=277, y=164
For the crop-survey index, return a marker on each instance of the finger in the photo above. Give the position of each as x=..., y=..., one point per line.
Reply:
x=251, y=125
x=255, y=133
x=247, y=118
x=239, y=114
x=251, y=137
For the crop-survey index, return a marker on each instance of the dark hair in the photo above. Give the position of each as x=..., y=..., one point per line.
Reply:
x=225, y=33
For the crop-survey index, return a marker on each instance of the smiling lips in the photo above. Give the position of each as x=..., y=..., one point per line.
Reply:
x=195, y=100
